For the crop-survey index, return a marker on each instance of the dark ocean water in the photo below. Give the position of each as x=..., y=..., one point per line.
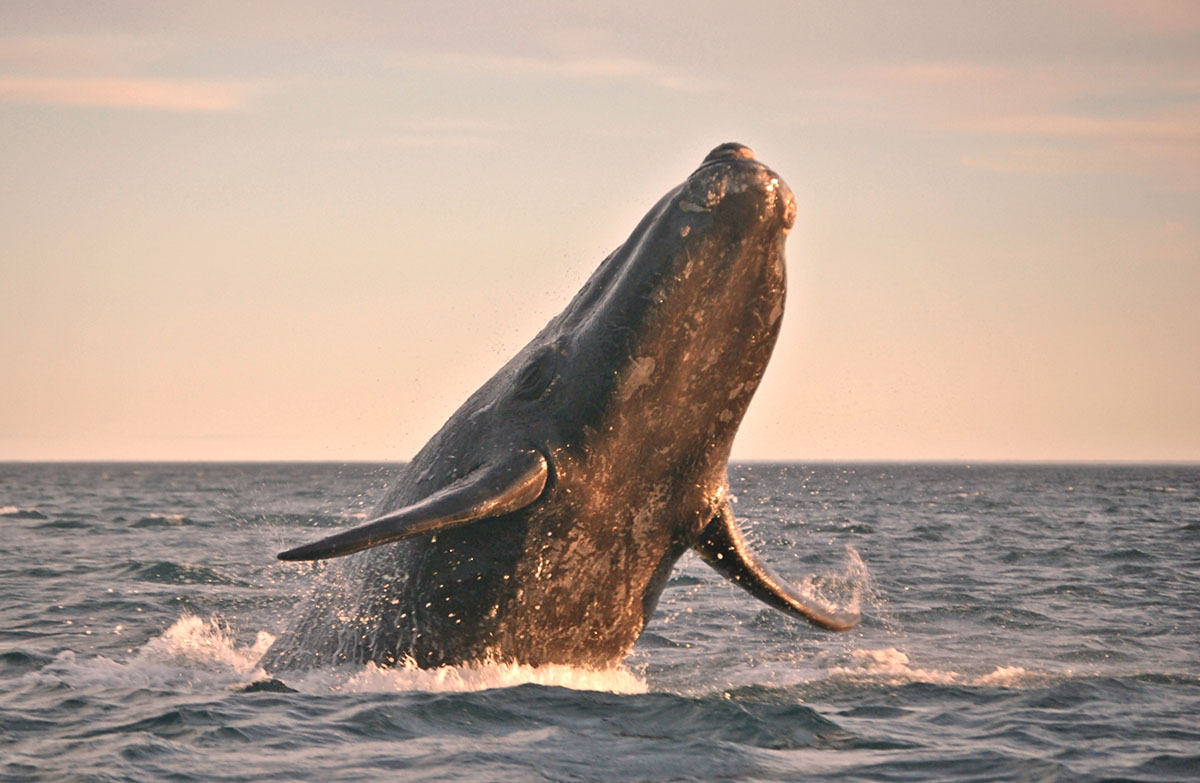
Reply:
x=1021, y=623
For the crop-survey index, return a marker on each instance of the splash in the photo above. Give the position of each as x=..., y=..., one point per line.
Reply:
x=470, y=677
x=842, y=591
x=206, y=644
x=198, y=653
x=193, y=653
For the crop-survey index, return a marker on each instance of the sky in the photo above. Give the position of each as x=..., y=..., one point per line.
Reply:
x=306, y=230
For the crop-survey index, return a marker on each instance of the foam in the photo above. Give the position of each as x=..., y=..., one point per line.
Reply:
x=21, y=512
x=472, y=677
x=1008, y=677
x=203, y=654
x=193, y=653
x=893, y=667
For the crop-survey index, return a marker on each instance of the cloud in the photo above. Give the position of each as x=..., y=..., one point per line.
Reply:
x=105, y=71
x=128, y=93
x=1030, y=118
x=1166, y=149
x=1183, y=126
x=1163, y=143
x=569, y=67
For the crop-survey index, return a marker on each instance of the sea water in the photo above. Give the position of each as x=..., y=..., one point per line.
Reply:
x=1036, y=623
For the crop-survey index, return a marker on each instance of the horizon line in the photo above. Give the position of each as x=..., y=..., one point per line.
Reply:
x=967, y=462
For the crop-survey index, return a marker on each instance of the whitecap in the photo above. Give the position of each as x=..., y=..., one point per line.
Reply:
x=891, y=666
x=894, y=667
x=1007, y=677
x=18, y=512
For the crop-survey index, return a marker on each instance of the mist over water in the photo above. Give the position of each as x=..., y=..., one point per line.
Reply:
x=1020, y=622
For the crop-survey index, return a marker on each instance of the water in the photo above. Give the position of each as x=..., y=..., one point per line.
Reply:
x=1035, y=623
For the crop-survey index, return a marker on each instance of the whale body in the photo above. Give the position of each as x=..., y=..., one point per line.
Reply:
x=541, y=523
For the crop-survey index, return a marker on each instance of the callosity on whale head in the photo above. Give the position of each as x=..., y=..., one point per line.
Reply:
x=540, y=524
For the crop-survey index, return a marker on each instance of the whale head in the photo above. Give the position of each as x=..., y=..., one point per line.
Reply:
x=671, y=335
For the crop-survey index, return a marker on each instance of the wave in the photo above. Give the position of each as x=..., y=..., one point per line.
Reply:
x=162, y=520
x=168, y=572
x=64, y=524
x=15, y=512
x=205, y=654
x=317, y=520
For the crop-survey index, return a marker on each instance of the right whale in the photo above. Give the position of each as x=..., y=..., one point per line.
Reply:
x=540, y=524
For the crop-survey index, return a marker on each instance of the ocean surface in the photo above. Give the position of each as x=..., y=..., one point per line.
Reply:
x=1020, y=623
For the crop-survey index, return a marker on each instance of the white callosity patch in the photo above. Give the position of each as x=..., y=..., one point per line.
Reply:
x=639, y=374
x=705, y=192
x=776, y=313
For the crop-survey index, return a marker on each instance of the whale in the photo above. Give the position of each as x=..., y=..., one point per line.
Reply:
x=541, y=523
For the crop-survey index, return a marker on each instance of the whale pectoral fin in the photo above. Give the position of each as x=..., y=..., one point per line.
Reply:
x=491, y=490
x=723, y=547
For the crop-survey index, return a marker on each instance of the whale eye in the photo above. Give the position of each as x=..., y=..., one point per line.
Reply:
x=536, y=377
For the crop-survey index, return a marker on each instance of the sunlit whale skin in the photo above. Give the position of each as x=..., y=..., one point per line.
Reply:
x=541, y=523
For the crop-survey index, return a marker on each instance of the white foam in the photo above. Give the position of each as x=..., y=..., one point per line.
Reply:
x=199, y=653
x=16, y=511
x=206, y=644
x=1007, y=677
x=193, y=653
x=893, y=667
x=471, y=677
x=168, y=519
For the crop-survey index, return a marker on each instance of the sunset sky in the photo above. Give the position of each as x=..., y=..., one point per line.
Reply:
x=309, y=230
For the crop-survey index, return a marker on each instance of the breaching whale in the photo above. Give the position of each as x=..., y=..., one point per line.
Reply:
x=540, y=524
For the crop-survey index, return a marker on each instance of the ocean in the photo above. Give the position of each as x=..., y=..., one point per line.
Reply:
x=1020, y=623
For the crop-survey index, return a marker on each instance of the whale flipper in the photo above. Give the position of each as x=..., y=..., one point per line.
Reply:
x=491, y=490
x=723, y=547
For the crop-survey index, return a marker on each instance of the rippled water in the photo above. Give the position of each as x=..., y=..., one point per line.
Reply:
x=1020, y=623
